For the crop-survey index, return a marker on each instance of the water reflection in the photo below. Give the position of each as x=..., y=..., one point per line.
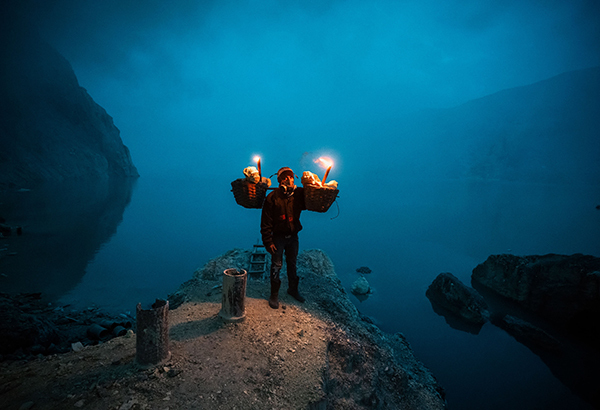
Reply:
x=454, y=321
x=575, y=363
x=64, y=225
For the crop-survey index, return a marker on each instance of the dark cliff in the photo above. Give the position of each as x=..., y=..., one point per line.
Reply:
x=50, y=127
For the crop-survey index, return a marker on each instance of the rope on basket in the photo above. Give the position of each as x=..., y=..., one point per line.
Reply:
x=338, y=209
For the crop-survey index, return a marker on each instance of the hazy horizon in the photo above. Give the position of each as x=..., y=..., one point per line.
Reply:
x=192, y=85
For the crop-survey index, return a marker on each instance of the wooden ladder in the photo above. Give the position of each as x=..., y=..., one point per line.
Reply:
x=258, y=261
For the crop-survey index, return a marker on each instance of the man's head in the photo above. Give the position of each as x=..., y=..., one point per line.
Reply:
x=285, y=176
x=284, y=173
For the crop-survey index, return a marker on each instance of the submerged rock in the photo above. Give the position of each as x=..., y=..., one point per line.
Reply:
x=450, y=293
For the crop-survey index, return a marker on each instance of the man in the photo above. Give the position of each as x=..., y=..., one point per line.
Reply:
x=279, y=227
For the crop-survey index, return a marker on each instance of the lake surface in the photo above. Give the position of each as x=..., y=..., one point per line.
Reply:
x=115, y=247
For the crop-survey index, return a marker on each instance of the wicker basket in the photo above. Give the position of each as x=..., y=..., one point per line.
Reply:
x=319, y=199
x=248, y=194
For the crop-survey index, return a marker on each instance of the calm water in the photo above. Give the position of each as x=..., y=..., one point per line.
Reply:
x=115, y=247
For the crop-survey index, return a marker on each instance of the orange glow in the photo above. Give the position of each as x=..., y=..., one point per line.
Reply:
x=257, y=159
x=325, y=162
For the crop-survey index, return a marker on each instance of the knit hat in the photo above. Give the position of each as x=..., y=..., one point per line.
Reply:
x=283, y=172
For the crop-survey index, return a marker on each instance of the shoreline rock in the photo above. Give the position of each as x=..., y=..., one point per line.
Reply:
x=563, y=289
x=450, y=293
x=31, y=327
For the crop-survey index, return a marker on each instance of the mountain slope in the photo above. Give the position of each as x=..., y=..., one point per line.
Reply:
x=544, y=132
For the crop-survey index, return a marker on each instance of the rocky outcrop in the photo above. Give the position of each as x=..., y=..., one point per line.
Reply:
x=366, y=367
x=564, y=289
x=363, y=366
x=450, y=293
x=50, y=127
x=234, y=258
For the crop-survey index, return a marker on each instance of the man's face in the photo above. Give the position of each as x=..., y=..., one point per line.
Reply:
x=288, y=180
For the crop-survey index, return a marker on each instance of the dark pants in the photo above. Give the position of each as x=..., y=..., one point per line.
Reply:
x=289, y=244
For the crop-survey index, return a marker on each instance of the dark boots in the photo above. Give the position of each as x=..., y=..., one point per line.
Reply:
x=274, y=298
x=293, y=290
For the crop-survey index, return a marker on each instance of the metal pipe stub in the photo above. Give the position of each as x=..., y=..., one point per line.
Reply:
x=234, y=294
x=97, y=332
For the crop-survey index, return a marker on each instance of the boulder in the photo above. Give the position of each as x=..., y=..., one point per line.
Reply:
x=564, y=289
x=361, y=286
x=451, y=294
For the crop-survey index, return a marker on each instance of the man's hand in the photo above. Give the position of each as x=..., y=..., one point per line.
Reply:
x=272, y=249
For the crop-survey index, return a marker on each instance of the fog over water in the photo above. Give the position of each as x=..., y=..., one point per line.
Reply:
x=197, y=88
x=193, y=85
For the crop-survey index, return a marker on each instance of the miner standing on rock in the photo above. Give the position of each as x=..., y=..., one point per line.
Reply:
x=279, y=227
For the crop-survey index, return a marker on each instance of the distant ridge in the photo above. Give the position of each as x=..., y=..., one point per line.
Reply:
x=579, y=82
x=50, y=127
x=546, y=132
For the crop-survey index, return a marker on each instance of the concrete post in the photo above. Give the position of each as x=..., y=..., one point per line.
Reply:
x=152, y=339
x=234, y=295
